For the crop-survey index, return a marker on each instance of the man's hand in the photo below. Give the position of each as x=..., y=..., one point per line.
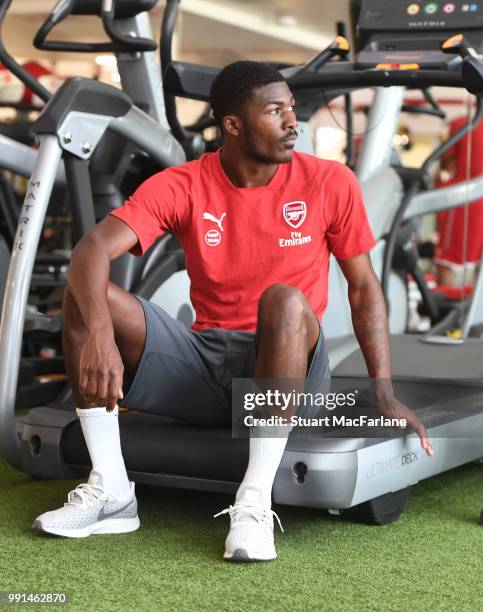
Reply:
x=101, y=370
x=392, y=408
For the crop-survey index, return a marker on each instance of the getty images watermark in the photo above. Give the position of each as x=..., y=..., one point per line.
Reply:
x=346, y=407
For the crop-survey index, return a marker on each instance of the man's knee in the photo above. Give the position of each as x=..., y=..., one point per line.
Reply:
x=283, y=307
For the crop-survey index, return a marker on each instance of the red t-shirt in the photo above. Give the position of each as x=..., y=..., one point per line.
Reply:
x=239, y=241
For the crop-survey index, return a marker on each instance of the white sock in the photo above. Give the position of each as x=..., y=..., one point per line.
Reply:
x=264, y=459
x=101, y=433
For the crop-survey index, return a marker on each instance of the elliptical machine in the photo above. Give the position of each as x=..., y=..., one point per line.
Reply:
x=115, y=169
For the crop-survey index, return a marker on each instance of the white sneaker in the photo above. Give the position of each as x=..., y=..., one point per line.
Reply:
x=251, y=532
x=90, y=509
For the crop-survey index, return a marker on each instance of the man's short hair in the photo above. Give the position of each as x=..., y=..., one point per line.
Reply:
x=234, y=85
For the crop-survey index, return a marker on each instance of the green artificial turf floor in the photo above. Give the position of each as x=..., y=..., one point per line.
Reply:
x=431, y=559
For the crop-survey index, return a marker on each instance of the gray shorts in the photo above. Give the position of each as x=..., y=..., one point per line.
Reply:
x=187, y=375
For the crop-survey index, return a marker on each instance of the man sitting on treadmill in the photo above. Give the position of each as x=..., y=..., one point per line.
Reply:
x=257, y=222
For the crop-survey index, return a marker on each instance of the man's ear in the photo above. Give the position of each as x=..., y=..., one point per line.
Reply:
x=232, y=125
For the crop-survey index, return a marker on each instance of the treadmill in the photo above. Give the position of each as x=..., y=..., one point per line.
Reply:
x=369, y=469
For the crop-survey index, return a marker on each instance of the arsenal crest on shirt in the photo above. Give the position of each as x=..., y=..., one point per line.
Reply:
x=294, y=213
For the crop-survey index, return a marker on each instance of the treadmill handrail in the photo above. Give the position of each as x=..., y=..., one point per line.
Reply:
x=378, y=78
x=177, y=73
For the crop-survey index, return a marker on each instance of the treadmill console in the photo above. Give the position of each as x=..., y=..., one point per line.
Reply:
x=411, y=32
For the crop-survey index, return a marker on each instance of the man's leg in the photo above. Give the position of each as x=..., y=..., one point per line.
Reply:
x=287, y=334
x=108, y=492
x=99, y=426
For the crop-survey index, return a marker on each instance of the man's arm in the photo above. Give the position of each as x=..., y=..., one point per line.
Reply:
x=369, y=315
x=88, y=276
x=369, y=318
x=100, y=368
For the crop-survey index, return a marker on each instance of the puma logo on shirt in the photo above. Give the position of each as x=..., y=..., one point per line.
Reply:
x=209, y=217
